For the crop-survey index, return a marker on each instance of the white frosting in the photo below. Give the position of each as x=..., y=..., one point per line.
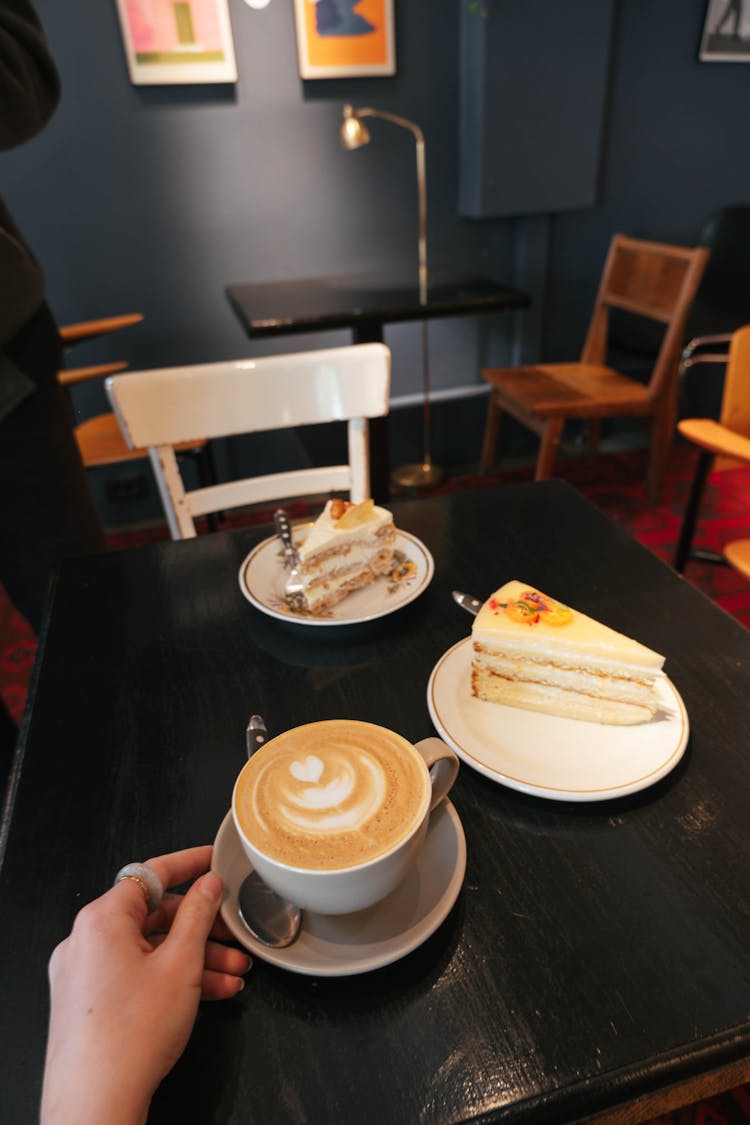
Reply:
x=580, y=639
x=324, y=534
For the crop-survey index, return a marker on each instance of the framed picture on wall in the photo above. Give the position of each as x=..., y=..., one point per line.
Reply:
x=177, y=41
x=726, y=32
x=345, y=38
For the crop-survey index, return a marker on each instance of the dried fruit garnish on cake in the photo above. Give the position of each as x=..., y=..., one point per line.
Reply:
x=355, y=515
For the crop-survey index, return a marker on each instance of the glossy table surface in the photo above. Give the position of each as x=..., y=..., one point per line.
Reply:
x=363, y=302
x=597, y=953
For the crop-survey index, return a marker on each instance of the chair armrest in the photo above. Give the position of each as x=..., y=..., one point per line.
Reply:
x=689, y=359
x=88, y=329
x=704, y=357
x=68, y=377
x=705, y=341
x=715, y=438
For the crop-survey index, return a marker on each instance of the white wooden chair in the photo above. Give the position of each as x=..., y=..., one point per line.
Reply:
x=160, y=408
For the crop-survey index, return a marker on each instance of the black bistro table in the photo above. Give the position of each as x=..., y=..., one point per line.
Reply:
x=365, y=304
x=595, y=964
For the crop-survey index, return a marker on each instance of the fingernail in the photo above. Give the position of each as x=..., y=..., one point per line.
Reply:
x=212, y=886
x=240, y=986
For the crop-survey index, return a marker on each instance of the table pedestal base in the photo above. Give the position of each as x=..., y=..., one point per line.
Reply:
x=417, y=476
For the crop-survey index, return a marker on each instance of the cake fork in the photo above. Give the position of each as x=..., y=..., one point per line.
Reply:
x=471, y=604
x=293, y=586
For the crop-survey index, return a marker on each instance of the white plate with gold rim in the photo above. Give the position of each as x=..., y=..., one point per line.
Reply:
x=262, y=578
x=546, y=756
x=345, y=944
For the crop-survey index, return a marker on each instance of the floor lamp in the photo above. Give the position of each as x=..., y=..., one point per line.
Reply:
x=353, y=135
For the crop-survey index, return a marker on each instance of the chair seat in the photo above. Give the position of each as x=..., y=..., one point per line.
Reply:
x=715, y=438
x=101, y=442
x=651, y=280
x=737, y=555
x=568, y=390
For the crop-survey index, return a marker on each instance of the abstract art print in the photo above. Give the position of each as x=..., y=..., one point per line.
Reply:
x=177, y=41
x=726, y=32
x=345, y=38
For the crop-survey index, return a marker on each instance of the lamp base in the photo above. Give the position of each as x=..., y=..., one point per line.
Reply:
x=422, y=475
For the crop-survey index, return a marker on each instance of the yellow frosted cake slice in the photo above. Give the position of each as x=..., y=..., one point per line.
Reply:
x=533, y=652
x=348, y=546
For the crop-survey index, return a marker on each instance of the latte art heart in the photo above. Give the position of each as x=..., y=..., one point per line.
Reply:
x=309, y=770
x=344, y=799
x=331, y=794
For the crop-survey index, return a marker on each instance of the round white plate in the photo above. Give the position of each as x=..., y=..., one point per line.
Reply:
x=262, y=577
x=344, y=944
x=563, y=759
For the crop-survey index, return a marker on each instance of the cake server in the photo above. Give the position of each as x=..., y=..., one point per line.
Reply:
x=268, y=916
x=293, y=585
x=471, y=605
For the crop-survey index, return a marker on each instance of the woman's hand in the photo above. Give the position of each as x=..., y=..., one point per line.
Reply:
x=125, y=988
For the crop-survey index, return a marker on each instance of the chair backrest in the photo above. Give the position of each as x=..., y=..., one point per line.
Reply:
x=735, y=400
x=652, y=280
x=159, y=408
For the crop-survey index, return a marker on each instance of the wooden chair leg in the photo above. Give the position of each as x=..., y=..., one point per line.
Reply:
x=594, y=428
x=491, y=430
x=551, y=435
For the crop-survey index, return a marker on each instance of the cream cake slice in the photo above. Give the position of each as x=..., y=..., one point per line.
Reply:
x=348, y=546
x=533, y=652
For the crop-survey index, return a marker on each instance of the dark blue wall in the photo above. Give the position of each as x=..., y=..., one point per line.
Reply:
x=155, y=198
x=674, y=152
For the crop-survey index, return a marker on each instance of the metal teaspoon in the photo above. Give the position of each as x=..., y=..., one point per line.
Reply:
x=268, y=917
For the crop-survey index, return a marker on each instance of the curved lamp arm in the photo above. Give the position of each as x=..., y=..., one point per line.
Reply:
x=355, y=137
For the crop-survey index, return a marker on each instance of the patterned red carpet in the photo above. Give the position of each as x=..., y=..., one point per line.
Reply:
x=615, y=483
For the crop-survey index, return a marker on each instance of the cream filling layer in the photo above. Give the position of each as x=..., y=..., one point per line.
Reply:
x=351, y=556
x=558, y=701
x=558, y=656
x=325, y=587
x=636, y=689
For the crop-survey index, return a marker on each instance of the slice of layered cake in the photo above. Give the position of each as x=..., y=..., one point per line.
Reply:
x=348, y=546
x=533, y=652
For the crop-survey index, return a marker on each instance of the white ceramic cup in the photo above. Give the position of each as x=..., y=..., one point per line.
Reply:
x=341, y=890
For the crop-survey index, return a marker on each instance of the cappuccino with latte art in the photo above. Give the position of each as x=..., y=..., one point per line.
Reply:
x=331, y=795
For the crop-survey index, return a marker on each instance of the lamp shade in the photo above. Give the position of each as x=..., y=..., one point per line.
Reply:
x=353, y=133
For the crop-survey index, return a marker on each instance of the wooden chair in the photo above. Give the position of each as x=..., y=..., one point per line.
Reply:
x=157, y=409
x=99, y=437
x=724, y=444
x=649, y=279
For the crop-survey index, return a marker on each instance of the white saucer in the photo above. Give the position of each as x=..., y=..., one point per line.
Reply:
x=345, y=944
x=262, y=578
x=563, y=759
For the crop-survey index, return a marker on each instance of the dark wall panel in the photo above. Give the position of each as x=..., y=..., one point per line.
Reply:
x=533, y=94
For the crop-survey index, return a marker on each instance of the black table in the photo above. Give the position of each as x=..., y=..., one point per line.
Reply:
x=365, y=303
x=597, y=954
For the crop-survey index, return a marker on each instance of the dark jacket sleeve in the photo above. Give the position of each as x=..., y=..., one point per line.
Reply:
x=29, y=83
